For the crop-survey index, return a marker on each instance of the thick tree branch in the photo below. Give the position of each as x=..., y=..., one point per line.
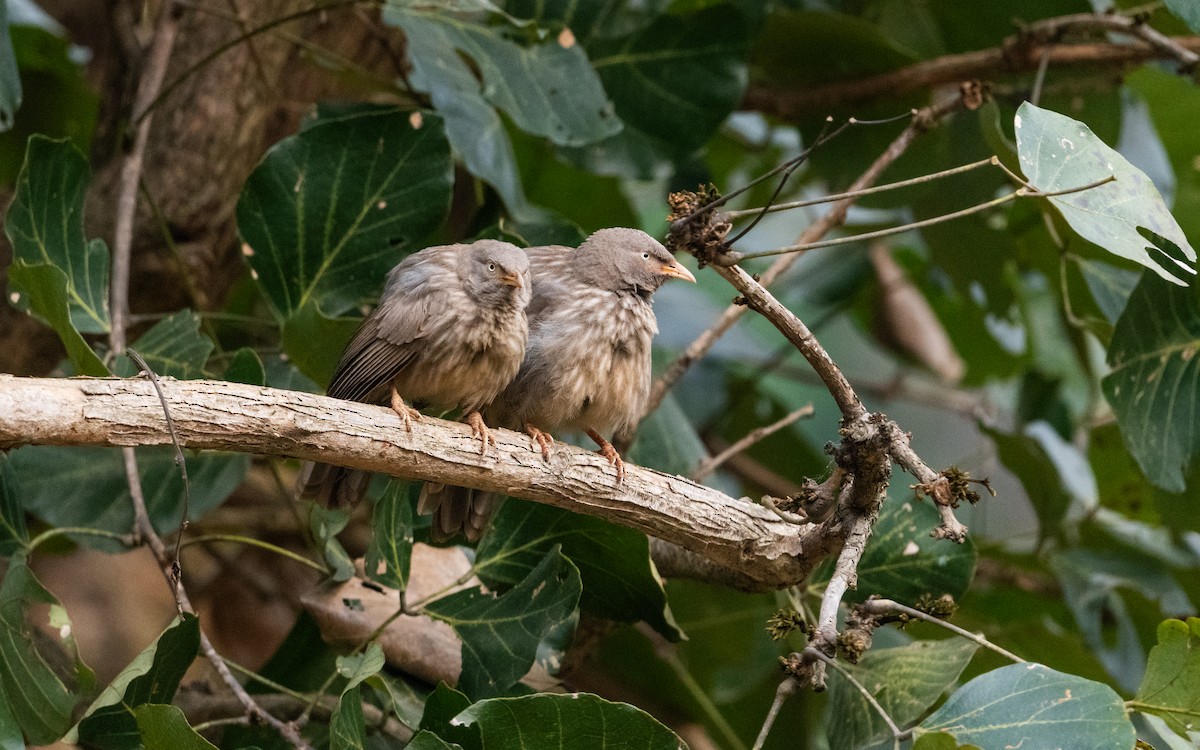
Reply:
x=1019, y=54
x=734, y=533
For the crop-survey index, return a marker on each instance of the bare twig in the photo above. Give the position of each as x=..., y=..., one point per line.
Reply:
x=732, y=258
x=709, y=465
x=922, y=122
x=904, y=455
x=785, y=689
x=887, y=606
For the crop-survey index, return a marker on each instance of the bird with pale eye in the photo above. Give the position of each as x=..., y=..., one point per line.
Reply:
x=587, y=362
x=449, y=333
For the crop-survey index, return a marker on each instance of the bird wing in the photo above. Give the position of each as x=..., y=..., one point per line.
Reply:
x=389, y=339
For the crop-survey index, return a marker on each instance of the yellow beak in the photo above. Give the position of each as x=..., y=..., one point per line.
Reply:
x=511, y=279
x=677, y=271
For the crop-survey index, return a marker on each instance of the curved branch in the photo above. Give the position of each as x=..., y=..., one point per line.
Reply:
x=734, y=533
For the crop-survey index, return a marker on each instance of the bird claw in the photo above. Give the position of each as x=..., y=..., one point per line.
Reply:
x=608, y=451
x=406, y=412
x=480, y=430
x=540, y=438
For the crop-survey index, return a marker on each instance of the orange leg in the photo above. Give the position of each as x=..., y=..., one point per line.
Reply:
x=539, y=438
x=608, y=451
x=406, y=412
x=480, y=429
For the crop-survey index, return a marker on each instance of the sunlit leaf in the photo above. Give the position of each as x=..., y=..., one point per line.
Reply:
x=500, y=634
x=619, y=579
x=574, y=721
x=1060, y=153
x=905, y=680
x=1152, y=386
x=152, y=677
x=1171, y=686
x=1031, y=705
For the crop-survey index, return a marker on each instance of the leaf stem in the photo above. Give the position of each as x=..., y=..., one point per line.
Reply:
x=251, y=541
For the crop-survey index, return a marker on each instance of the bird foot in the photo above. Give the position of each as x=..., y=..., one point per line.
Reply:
x=480, y=430
x=540, y=438
x=608, y=451
x=406, y=412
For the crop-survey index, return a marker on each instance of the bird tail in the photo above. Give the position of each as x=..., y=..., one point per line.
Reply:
x=456, y=509
x=332, y=486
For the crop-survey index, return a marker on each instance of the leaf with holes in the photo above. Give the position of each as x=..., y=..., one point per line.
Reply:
x=1153, y=384
x=500, y=634
x=1126, y=217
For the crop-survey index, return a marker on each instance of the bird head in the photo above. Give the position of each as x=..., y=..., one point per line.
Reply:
x=629, y=259
x=496, y=271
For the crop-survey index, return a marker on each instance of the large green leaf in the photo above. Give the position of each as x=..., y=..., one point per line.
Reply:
x=667, y=440
x=389, y=556
x=165, y=726
x=87, y=486
x=672, y=78
x=13, y=534
x=619, y=579
x=443, y=704
x=904, y=562
x=1188, y=11
x=329, y=210
x=1060, y=153
x=1152, y=386
x=573, y=721
x=1171, y=686
x=44, y=287
x=152, y=677
x=500, y=634
x=905, y=680
x=1030, y=705
x=174, y=348
x=38, y=698
x=45, y=226
x=10, y=79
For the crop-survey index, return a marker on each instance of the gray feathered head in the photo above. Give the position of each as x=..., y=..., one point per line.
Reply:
x=629, y=260
x=496, y=273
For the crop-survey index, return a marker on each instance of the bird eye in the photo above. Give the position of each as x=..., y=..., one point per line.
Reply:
x=646, y=256
x=491, y=266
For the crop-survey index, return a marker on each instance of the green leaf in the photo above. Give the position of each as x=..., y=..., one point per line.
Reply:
x=619, y=579
x=347, y=727
x=667, y=440
x=10, y=79
x=173, y=348
x=1059, y=153
x=389, y=556
x=1030, y=705
x=442, y=705
x=245, y=367
x=573, y=721
x=905, y=680
x=314, y=342
x=903, y=562
x=500, y=634
x=10, y=731
x=1170, y=688
x=358, y=667
x=45, y=226
x=44, y=288
x=1110, y=286
x=673, y=81
x=94, y=480
x=326, y=524
x=1026, y=457
x=166, y=726
x=37, y=697
x=548, y=88
x=330, y=210
x=152, y=677
x=1187, y=11
x=429, y=741
x=1151, y=386
x=13, y=534
x=407, y=702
